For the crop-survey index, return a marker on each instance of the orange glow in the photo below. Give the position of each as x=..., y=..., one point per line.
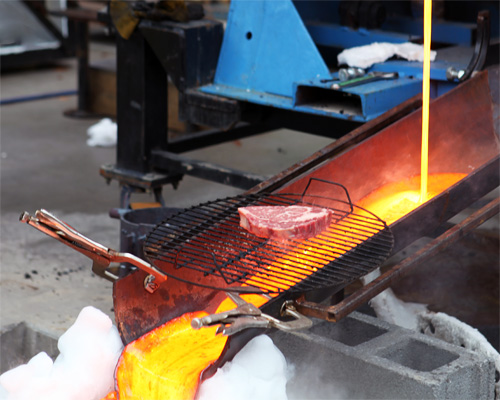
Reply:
x=111, y=396
x=166, y=363
x=301, y=258
x=392, y=201
x=424, y=163
x=255, y=299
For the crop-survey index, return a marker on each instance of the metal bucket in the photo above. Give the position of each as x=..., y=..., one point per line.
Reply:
x=136, y=224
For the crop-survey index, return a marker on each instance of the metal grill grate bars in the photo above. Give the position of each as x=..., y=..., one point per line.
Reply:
x=311, y=245
x=340, y=238
x=263, y=263
x=207, y=239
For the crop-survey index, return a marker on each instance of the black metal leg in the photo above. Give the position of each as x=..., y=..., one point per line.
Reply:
x=141, y=104
x=82, y=55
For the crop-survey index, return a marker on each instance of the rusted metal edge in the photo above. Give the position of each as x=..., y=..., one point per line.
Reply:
x=345, y=142
x=335, y=313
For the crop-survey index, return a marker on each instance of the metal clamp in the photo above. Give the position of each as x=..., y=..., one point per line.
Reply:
x=246, y=315
x=101, y=256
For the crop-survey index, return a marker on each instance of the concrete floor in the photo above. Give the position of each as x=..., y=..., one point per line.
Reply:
x=45, y=163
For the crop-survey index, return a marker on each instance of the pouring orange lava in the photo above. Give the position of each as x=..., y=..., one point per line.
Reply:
x=167, y=362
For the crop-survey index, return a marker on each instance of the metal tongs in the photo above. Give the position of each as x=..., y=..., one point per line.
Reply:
x=246, y=315
x=101, y=256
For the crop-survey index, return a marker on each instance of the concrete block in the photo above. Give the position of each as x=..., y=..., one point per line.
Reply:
x=20, y=342
x=362, y=357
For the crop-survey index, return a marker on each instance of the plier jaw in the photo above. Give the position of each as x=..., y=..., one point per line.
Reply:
x=246, y=316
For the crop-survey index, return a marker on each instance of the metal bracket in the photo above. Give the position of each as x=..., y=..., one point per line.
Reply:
x=177, y=164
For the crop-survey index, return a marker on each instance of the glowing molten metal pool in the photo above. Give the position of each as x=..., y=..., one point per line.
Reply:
x=167, y=362
x=394, y=200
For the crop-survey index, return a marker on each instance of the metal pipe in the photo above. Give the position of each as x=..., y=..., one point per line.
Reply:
x=338, y=311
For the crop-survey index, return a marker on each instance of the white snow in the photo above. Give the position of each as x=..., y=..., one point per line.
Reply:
x=102, y=134
x=84, y=369
x=258, y=371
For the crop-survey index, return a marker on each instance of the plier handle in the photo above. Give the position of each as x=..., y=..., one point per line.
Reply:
x=101, y=256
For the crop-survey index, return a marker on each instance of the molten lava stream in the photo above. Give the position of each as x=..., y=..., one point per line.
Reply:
x=166, y=363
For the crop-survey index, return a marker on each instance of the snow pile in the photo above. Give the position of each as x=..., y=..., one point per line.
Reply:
x=366, y=56
x=102, y=134
x=258, y=371
x=84, y=369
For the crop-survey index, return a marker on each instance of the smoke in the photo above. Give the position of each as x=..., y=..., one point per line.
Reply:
x=258, y=371
x=89, y=351
x=310, y=383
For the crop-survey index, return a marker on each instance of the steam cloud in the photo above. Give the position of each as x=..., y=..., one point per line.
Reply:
x=258, y=371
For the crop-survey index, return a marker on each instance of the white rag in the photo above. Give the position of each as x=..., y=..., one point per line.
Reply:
x=366, y=56
x=102, y=134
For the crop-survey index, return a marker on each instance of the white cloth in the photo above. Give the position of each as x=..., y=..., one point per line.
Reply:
x=102, y=134
x=366, y=56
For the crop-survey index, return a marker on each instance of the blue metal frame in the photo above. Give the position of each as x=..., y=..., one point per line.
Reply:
x=269, y=57
x=266, y=48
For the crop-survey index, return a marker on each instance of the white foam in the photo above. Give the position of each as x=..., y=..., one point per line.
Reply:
x=258, y=371
x=84, y=369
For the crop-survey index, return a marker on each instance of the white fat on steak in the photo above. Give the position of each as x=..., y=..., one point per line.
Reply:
x=285, y=222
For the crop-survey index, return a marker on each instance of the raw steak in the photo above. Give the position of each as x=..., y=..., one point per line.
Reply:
x=285, y=222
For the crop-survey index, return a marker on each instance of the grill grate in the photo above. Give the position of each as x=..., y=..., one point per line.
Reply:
x=206, y=246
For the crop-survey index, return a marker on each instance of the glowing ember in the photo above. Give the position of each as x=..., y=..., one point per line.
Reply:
x=394, y=200
x=111, y=396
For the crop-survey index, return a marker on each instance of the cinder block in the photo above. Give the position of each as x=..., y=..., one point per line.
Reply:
x=362, y=357
x=20, y=342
